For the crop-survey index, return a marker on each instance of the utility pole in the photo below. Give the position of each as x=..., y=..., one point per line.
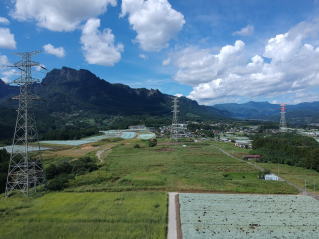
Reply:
x=25, y=172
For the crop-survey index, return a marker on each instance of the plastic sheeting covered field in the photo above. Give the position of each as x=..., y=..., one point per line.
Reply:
x=19, y=148
x=147, y=136
x=128, y=135
x=93, y=139
x=239, y=216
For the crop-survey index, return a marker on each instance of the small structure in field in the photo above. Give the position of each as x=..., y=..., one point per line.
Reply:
x=271, y=177
x=252, y=157
x=246, y=144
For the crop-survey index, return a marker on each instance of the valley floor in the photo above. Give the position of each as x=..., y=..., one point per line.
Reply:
x=127, y=196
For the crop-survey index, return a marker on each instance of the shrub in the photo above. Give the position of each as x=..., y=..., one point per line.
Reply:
x=152, y=142
x=4, y=164
x=58, y=183
x=83, y=165
x=59, y=174
x=137, y=146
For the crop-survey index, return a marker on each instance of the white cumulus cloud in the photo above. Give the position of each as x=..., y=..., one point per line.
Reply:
x=4, y=20
x=7, y=75
x=7, y=39
x=56, y=51
x=291, y=68
x=155, y=22
x=98, y=46
x=199, y=65
x=245, y=31
x=59, y=15
x=4, y=61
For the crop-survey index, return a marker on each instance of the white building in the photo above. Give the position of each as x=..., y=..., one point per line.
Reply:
x=271, y=177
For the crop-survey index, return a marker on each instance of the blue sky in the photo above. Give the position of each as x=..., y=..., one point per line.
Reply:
x=211, y=51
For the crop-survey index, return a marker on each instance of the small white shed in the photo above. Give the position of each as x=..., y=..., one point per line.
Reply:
x=271, y=177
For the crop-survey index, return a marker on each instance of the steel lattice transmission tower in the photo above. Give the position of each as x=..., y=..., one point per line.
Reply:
x=25, y=172
x=283, y=123
x=177, y=129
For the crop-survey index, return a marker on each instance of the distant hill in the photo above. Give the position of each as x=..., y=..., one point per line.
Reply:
x=303, y=113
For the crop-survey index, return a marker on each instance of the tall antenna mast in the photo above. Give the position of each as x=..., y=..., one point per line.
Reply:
x=25, y=172
x=177, y=129
x=283, y=123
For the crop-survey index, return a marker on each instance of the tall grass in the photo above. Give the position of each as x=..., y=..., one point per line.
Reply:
x=85, y=215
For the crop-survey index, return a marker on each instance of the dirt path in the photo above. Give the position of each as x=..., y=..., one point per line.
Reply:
x=232, y=156
x=102, y=152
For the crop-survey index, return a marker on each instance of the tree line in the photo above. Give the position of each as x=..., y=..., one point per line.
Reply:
x=288, y=148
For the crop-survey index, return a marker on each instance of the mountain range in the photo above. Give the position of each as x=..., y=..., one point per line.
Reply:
x=303, y=113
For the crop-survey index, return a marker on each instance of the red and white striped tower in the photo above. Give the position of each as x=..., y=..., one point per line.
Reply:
x=283, y=123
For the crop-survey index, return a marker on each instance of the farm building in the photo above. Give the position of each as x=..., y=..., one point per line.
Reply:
x=243, y=144
x=252, y=157
x=271, y=177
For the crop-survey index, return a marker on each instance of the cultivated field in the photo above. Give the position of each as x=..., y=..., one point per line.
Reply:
x=223, y=216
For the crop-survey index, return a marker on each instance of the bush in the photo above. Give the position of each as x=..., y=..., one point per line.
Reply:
x=152, y=142
x=83, y=165
x=137, y=146
x=51, y=171
x=59, y=174
x=58, y=183
x=4, y=164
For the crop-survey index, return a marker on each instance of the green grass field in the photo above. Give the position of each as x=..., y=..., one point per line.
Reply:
x=169, y=167
x=296, y=175
x=85, y=215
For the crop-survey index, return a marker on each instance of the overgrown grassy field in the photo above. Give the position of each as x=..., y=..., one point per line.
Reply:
x=122, y=215
x=296, y=175
x=170, y=167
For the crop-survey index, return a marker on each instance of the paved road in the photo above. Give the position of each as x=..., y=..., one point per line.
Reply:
x=172, y=225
